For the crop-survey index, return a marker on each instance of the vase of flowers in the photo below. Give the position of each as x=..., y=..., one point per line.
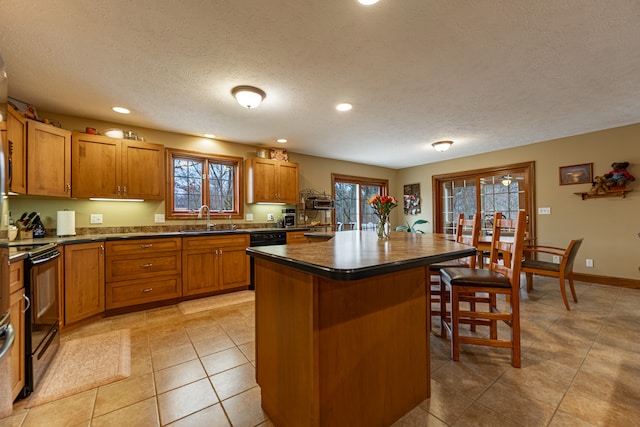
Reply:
x=382, y=206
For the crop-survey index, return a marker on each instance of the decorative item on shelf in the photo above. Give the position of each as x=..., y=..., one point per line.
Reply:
x=618, y=177
x=382, y=206
x=261, y=153
x=599, y=185
x=279, y=154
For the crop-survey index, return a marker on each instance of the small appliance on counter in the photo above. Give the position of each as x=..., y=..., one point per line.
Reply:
x=289, y=218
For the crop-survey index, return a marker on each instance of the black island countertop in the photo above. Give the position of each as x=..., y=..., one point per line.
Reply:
x=353, y=255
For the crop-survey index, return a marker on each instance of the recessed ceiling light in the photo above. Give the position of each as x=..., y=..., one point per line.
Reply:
x=281, y=140
x=345, y=106
x=209, y=135
x=121, y=110
x=367, y=2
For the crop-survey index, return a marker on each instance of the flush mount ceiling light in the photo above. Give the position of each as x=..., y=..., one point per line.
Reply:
x=441, y=146
x=367, y=2
x=121, y=110
x=507, y=179
x=248, y=96
x=344, y=106
x=209, y=135
x=281, y=140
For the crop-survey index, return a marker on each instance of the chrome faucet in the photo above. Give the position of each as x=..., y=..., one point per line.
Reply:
x=233, y=226
x=201, y=211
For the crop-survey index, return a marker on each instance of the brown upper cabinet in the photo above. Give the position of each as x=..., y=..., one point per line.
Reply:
x=116, y=169
x=272, y=181
x=48, y=160
x=15, y=152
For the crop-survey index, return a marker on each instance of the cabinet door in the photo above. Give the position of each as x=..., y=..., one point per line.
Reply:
x=200, y=272
x=288, y=186
x=16, y=152
x=48, y=160
x=95, y=168
x=233, y=266
x=17, y=305
x=143, y=171
x=84, y=287
x=261, y=181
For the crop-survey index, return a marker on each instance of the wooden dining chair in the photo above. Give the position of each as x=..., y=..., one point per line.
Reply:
x=563, y=271
x=501, y=278
x=468, y=233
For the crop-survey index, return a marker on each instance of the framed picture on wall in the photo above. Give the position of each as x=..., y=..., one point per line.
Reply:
x=576, y=174
x=411, y=199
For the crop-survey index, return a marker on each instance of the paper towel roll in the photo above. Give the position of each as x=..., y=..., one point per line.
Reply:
x=66, y=223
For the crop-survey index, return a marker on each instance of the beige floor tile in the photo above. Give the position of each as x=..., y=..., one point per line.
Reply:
x=212, y=344
x=234, y=381
x=479, y=415
x=173, y=356
x=515, y=402
x=223, y=360
x=590, y=409
x=418, y=418
x=124, y=393
x=185, y=400
x=446, y=403
x=249, y=350
x=72, y=410
x=171, y=339
x=213, y=416
x=244, y=409
x=141, y=414
x=179, y=375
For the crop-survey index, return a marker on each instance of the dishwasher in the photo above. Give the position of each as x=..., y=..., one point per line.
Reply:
x=264, y=238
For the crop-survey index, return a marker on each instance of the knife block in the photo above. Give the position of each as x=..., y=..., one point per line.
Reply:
x=25, y=234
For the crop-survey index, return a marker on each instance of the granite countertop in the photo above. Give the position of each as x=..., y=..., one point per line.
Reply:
x=352, y=255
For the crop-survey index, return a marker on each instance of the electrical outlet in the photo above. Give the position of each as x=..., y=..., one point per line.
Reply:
x=249, y=217
x=96, y=219
x=556, y=259
x=159, y=218
x=589, y=262
x=544, y=211
x=269, y=217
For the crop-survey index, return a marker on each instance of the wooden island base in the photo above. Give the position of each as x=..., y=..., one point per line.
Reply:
x=340, y=353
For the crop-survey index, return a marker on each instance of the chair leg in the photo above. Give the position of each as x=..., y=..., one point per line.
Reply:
x=493, y=307
x=515, y=331
x=573, y=290
x=529, y=278
x=455, y=327
x=563, y=291
x=443, y=309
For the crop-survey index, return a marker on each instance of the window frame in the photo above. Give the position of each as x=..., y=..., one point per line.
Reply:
x=236, y=162
x=525, y=168
x=351, y=179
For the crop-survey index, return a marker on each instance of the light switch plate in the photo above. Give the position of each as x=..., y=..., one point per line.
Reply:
x=269, y=217
x=96, y=219
x=159, y=218
x=249, y=217
x=544, y=211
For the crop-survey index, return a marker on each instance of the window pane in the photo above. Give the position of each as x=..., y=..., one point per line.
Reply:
x=346, y=204
x=221, y=190
x=187, y=184
x=368, y=191
x=458, y=196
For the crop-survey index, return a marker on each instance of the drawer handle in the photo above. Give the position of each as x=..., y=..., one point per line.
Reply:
x=146, y=245
x=146, y=265
x=146, y=290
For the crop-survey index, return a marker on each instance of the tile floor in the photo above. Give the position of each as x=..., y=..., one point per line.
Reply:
x=579, y=367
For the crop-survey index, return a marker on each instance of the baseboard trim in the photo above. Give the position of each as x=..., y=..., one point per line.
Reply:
x=607, y=280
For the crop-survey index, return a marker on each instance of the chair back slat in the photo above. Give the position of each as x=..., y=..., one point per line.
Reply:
x=468, y=233
x=510, y=249
x=570, y=255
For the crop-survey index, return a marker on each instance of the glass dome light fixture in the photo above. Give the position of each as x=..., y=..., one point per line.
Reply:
x=441, y=146
x=281, y=140
x=209, y=135
x=367, y=2
x=507, y=179
x=248, y=96
x=344, y=106
x=121, y=110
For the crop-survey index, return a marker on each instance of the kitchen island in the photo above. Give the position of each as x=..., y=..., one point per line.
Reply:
x=342, y=327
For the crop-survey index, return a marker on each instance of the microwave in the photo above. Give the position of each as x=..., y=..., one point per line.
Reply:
x=319, y=204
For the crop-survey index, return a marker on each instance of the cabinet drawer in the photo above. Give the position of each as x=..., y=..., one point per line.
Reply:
x=133, y=292
x=127, y=267
x=294, y=237
x=143, y=246
x=196, y=243
x=16, y=276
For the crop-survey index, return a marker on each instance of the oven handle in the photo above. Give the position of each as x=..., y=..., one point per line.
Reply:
x=9, y=334
x=28, y=303
x=49, y=257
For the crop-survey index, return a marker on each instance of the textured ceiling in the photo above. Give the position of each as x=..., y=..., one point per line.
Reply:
x=488, y=74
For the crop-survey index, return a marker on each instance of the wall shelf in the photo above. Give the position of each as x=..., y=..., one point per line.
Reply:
x=610, y=193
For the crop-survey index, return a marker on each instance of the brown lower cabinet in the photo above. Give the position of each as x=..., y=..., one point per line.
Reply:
x=214, y=263
x=84, y=294
x=141, y=271
x=17, y=303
